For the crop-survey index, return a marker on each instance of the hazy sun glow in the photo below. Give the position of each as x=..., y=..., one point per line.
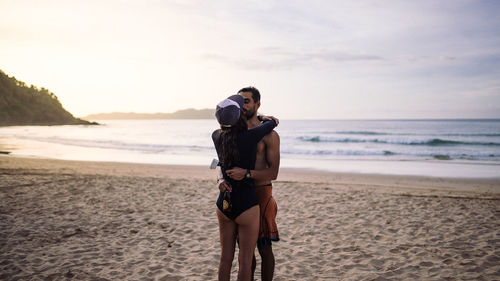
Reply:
x=314, y=59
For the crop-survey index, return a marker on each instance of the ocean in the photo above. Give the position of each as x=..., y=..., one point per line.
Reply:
x=439, y=148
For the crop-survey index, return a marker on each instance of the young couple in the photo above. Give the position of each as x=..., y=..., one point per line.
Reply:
x=248, y=151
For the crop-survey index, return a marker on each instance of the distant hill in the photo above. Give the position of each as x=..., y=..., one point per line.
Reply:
x=180, y=114
x=23, y=105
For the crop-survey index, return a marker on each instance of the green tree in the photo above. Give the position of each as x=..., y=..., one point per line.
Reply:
x=23, y=105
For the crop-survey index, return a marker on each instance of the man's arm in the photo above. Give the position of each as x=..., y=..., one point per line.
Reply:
x=272, y=158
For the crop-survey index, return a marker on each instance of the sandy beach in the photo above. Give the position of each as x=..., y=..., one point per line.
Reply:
x=75, y=220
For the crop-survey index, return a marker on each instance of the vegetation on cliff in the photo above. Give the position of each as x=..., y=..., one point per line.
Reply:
x=21, y=104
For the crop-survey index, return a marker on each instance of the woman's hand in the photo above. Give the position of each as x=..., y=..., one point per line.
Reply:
x=225, y=186
x=268, y=118
x=236, y=173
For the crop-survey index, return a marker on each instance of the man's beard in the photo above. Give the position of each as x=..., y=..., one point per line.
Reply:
x=249, y=114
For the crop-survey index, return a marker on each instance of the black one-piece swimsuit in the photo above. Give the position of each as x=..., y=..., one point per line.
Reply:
x=243, y=192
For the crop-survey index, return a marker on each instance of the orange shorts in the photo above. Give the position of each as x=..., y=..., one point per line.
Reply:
x=268, y=230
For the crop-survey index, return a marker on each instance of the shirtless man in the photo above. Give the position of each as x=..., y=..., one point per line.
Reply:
x=266, y=169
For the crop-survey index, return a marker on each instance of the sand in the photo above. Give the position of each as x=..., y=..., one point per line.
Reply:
x=69, y=220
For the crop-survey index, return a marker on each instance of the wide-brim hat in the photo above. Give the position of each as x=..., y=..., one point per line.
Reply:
x=228, y=111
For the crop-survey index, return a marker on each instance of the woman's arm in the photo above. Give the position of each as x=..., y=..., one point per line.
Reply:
x=267, y=174
x=257, y=133
x=263, y=118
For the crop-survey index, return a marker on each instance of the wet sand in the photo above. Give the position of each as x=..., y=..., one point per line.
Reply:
x=112, y=221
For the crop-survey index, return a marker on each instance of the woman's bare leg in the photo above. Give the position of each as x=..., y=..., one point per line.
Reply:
x=248, y=232
x=227, y=232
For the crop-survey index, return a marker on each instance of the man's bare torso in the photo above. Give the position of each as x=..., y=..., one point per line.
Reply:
x=260, y=160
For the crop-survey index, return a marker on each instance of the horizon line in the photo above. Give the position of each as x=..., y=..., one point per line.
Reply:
x=330, y=119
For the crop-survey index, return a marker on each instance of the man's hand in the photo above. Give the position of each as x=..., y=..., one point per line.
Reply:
x=267, y=118
x=236, y=173
x=224, y=186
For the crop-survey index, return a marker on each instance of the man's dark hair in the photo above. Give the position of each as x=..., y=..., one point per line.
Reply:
x=254, y=91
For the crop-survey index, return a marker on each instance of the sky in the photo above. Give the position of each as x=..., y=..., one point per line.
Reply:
x=310, y=59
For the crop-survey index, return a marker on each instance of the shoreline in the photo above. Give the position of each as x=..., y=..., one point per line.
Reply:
x=391, y=167
x=383, y=182
x=353, y=156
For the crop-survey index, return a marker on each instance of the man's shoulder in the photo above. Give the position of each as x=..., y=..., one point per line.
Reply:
x=272, y=136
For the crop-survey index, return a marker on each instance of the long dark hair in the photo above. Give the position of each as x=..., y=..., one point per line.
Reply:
x=227, y=142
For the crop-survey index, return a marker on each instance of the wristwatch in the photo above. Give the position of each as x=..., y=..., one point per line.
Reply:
x=247, y=174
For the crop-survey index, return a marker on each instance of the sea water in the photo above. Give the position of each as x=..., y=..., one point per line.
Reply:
x=444, y=148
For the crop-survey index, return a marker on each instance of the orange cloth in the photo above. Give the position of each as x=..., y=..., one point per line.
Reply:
x=268, y=209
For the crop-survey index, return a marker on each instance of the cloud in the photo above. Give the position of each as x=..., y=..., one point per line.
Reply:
x=282, y=58
x=275, y=58
x=391, y=48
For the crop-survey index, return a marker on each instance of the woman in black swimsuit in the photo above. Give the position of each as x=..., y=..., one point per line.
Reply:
x=239, y=215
